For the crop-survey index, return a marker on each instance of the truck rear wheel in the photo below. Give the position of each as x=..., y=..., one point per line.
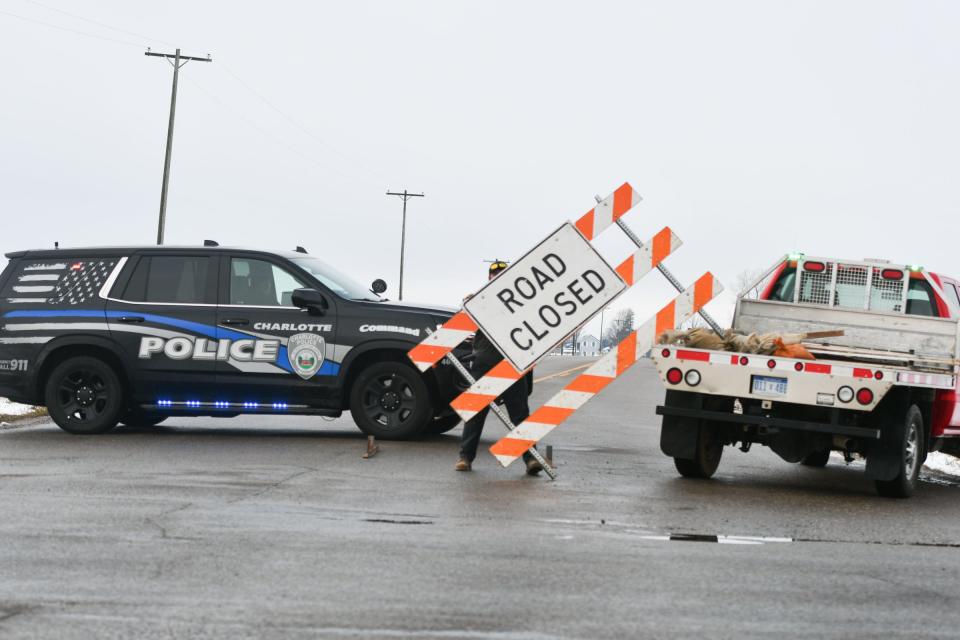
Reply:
x=390, y=400
x=707, y=455
x=910, y=460
x=84, y=395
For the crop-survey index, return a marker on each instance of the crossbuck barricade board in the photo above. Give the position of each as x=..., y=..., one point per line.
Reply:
x=482, y=393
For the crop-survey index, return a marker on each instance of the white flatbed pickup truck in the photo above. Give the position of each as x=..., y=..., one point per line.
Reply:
x=886, y=390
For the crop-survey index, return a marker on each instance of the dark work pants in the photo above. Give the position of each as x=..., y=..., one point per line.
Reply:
x=515, y=402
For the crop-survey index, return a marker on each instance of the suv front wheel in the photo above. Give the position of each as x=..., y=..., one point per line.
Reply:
x=390, y=400
x=84, y=395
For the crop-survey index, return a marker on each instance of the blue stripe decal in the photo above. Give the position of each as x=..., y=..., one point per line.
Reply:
x=196, y=327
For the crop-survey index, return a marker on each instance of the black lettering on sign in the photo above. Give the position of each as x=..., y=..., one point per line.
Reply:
x=576, y=290
x=555, y=263
x=541, y=277
x=596, y=282
x=561, y=300
x=532, y=289
x=513, y=336
x=534, y=331
x=506, y=297
x=550, y=316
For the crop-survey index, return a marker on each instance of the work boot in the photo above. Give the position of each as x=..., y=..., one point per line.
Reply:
x=463, y=465
x=533, y=467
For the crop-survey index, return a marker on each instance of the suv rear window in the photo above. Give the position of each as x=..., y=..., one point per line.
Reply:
x=178, y=279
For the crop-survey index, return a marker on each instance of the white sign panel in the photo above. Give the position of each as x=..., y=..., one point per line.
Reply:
x=533, y=305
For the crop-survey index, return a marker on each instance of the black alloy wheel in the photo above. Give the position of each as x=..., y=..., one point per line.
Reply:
x=390, y=400
x=84, y=396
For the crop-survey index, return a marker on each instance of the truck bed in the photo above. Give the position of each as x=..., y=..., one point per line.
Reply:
x=918, y=342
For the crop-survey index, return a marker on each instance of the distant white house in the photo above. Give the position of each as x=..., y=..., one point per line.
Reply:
x=587, y=345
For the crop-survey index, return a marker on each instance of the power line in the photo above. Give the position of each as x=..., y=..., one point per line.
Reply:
x=97, y=22
x=76, y=31
x=297, y=123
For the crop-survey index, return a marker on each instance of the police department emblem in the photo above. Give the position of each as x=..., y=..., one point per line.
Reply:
x=305, y=351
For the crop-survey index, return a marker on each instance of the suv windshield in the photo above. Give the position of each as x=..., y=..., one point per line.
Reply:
x=343, y=286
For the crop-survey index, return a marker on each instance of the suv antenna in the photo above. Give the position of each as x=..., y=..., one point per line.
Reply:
x=300, y=249
x=211, y=243
x=56, y=245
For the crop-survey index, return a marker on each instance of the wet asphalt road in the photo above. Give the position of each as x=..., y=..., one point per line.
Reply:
x=275, y=527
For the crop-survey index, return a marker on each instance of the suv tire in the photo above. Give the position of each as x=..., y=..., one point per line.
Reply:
x=911, y=458
x=391, y=401
x=84, y=395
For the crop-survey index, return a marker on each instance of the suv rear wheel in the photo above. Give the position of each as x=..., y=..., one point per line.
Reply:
x=84, y=395
x=390, y=400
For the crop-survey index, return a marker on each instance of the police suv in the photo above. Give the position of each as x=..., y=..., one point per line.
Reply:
x=136, y=334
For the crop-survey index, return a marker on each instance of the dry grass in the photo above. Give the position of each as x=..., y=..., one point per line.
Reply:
x=36, y=413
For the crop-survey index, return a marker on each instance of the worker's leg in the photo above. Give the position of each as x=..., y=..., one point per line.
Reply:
x=472, y=430
x=518, y=408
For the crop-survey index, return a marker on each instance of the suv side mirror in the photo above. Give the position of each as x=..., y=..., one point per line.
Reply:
x=311, y=300
x=378, y=286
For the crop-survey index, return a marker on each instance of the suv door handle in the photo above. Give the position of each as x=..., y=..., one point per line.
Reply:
x=235, y=321
x=130, y=319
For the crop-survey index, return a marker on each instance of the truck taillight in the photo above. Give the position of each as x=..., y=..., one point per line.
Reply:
x=864, y=396
x=674, y=376
x=845, y=394
x=814, y=266
x=891, y=274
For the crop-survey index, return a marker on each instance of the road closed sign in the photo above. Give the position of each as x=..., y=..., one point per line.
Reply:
x=533, y=305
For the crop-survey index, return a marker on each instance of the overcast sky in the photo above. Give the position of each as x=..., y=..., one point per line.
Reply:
x=751, y=128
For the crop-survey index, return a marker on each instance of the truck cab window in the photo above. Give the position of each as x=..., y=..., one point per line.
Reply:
x=261, y=283
x=783, y=289
x=920, y=299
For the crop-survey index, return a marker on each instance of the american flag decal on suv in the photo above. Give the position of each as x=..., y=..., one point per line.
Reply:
x=71, y=282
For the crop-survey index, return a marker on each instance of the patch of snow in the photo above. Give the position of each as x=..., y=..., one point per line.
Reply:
x=943, y=463
x=8, y=408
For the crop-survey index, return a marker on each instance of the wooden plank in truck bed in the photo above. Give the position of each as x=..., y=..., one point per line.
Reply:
x=920, y=335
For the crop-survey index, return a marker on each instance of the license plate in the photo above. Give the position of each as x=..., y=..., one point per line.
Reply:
x=768, y=386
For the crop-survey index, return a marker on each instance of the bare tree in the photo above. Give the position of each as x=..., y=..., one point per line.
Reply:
x=746, y=278
x=620, y=326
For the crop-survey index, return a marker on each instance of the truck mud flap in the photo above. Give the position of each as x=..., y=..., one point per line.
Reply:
x=678, y=434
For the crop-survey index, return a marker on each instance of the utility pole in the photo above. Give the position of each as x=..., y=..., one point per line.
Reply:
x=403, y=228
x=177, y=61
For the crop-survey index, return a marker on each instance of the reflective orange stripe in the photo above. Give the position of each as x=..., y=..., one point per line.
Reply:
x=505, y=370
x=626, y=353
x=625, y=270
x=588, y=383
x=461, y=322
x=472, y=401
x=428, y=353
x=665, y=318
x=511, y=447
x=702, y=292
x=622, y=200
x=549, y=415
x=585, y=224
x=661, y=246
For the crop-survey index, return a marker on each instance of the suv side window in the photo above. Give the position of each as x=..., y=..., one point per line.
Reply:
x=178, y=279
x=260, y=283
